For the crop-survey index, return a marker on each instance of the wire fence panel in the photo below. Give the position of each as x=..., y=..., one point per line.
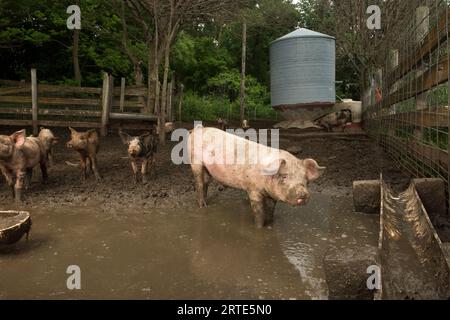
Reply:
x=406, y=110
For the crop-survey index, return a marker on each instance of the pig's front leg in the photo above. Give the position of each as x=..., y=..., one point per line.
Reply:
x=20, y=180
x=144, y=169
x=269, y=209
x=135, y=170
x=83, y=167
x=257, y=203
x=9, y=180
x=94, y=166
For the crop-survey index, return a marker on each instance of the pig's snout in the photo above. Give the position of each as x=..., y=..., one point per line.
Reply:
x=302, y=198
x=69, y=145
x=135, y=148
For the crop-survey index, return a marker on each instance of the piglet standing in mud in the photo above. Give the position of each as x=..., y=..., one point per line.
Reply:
x=48, y=141
x=87, y=145
x=267, y=175
x=141, y=148
x=18, y=156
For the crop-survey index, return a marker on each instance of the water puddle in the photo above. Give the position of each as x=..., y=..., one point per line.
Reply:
x=212, y=253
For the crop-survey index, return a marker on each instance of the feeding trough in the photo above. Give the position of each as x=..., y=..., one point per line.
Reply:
x=13, y=226
x=411, y=255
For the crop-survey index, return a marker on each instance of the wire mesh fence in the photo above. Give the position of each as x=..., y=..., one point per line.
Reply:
x=406, y=107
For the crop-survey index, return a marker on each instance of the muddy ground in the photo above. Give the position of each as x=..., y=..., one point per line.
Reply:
x=150, y=242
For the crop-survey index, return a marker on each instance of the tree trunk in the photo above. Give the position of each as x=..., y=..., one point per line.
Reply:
x=75, y=56
x=244, y=54
x=150, y=82
x=153, y=77
x=162, y=117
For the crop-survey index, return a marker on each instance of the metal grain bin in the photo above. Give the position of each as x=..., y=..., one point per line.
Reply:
x=302, y=66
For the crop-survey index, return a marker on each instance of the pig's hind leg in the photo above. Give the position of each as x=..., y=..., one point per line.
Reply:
x=28, y=178
x=144, y=170
x=43, y=166
x=94, y=166
x=202, y=178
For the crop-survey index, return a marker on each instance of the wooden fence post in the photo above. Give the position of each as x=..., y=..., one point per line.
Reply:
x=122, y=93
x=423, y=23
x=34, y=102
x=105, y=104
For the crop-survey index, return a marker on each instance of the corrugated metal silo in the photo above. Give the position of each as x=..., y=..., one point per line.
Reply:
x=302, y=66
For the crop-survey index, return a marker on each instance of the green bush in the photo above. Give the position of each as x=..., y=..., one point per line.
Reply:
x=210, y=107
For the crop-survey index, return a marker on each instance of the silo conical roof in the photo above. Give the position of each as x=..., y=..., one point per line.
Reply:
x=303, y=33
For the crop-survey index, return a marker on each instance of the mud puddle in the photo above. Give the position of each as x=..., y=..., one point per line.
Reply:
x=212, y=253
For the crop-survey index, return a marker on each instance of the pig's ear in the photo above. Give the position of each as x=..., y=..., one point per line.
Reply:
x=274, y=167
x=42, y=128
x=19, y=138
x=73, y=131
x=125, y=137
x=313, y=170
x=91, y=132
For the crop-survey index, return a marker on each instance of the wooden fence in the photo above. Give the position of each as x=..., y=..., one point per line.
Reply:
x=406, y=108
x=38, y=104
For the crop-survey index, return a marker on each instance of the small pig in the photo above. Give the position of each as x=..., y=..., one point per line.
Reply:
x=19, y=154
x=335, y=119
x=87, y=144
x=48, y=140
x=141, y=148
x=267, y=175
x=223, y=124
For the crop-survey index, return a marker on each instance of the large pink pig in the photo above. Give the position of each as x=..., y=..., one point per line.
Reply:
x=267, y=175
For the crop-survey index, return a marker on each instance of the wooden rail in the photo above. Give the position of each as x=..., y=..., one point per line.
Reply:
x=423, y=118
x=436, y=75
x=107, y=107
x=436, y=36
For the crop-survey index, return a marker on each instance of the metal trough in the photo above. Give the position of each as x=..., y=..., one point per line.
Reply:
x=13, y=226
x=411, y=256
